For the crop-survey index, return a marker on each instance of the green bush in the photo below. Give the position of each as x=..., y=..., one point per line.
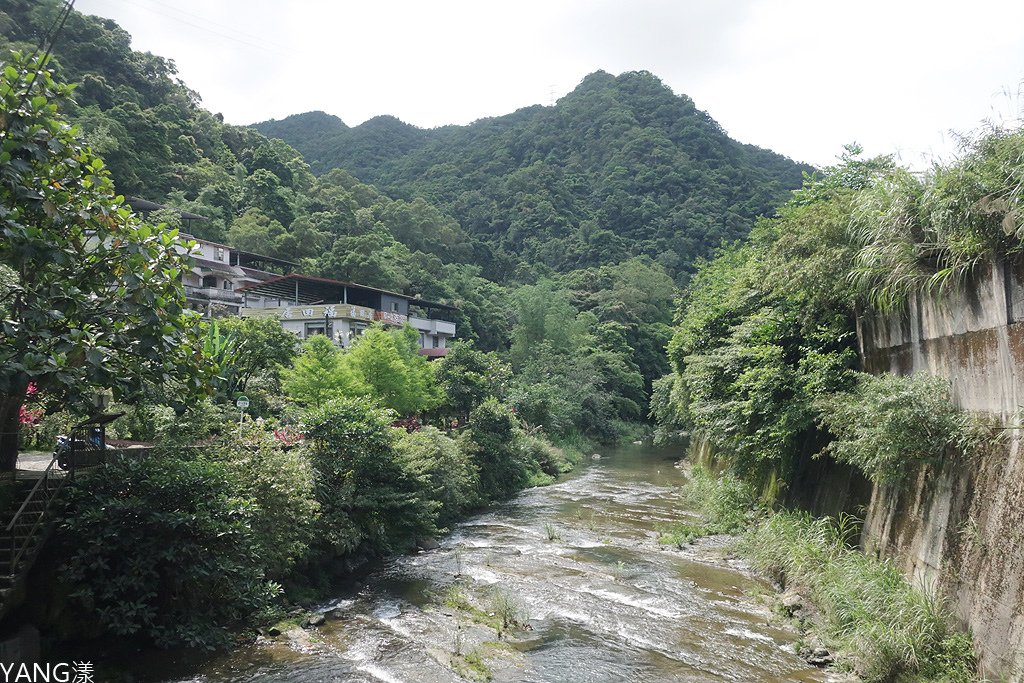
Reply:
x=888, y=425
x=165, y=547
x=492, y=441
x=881, y=627
x=193, y=423
x=279, y=482
x=723, y=504
x=445, y=473
x=545, y=457
x=368, y=500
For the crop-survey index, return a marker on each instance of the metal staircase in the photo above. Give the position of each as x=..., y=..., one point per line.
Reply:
x=32, y=516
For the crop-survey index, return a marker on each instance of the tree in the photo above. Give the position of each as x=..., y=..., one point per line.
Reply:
x=131, y=564
x=493, y=441
x=366, y=496
x=96, y=300
x=319, y=375
x=388, y=363
x=263, y=347
x=468, y=376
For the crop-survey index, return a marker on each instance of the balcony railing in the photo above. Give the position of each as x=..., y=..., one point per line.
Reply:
x=433, y=326
x=213, y=294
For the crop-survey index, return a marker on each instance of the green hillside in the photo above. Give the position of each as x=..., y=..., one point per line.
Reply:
x=621, y=166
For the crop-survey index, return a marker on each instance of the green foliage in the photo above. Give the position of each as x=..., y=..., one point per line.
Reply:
x=185, y=425
x=153, y=540
x=573, y=370
x=888, y=425
x=930, y=233
x=881, y=626
x=319, y=374
x=765, y=330
x=263, y=348
x=389, y=365
x=220, y=351
x=97, y=300
x=368, y=499
x=619, y=167
x=723, y=504
x=467, y=376
x=546, y=458
x=444, y=472
x=279, y=482
x=492, y=442
x=668, y=407
x=383, y=365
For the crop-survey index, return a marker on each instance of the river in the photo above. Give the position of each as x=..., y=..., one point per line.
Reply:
x=578, y=562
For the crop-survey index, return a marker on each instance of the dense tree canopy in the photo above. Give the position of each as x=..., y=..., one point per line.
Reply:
x=93, y=297
x=618, y=167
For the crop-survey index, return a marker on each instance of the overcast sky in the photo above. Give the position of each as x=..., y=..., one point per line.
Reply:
x=801, y=78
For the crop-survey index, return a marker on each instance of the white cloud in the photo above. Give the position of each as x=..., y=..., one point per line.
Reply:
x=800, y=78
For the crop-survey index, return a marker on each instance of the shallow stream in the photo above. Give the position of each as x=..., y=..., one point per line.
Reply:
x=579, y=563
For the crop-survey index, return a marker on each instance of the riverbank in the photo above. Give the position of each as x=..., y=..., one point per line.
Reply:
x=600, y=603
x=857, y=613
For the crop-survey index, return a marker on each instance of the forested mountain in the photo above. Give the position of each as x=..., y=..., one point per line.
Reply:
x=574, y=219
x=619, y=167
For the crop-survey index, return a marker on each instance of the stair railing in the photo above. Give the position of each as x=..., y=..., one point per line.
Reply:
x=43, y=490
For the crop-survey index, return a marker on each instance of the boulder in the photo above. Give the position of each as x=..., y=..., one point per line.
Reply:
x=819, y=656
x=313, y=620
x=792, y=602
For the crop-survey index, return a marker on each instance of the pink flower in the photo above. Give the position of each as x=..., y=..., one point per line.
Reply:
x=30, y=416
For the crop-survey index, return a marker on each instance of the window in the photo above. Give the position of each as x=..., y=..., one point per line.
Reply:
x=394, y=307
x=437, y=342
x=423, y=340
x=228, y=286
x=219, y=254
x=314, y=328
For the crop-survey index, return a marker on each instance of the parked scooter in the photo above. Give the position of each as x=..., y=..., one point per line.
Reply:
x=63, y=452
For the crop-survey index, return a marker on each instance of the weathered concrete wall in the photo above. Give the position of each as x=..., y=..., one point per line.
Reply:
x=960, y=525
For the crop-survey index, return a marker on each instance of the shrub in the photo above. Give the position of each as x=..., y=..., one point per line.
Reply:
x=367, y=498
x=724, y=504
x=445, y=473
x=319, y=375
x=193, y=423
x=164, y=547
x=888, y=424
x=279, y=482
x=492, y=440
x=543, y=456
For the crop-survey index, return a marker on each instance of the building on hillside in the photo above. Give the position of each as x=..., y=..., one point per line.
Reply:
x=219, y=272
x=227, y=281
x=307, y=305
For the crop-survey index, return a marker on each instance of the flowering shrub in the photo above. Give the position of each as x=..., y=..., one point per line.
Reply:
x=288, y=435
x=30, y=416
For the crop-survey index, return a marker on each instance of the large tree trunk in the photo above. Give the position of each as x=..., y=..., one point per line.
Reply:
x=10, y=429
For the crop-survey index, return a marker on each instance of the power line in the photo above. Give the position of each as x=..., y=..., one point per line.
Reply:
x=204, y=24
x=48, y=40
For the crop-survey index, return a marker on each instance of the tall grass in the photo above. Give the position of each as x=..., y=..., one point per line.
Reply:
x=883, y=628
x=931, y=233
x=722, y=504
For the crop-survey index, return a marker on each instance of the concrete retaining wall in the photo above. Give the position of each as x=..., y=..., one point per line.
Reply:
x=960, y=525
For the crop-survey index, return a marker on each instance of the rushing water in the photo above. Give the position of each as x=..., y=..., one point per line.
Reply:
x=604, y=601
